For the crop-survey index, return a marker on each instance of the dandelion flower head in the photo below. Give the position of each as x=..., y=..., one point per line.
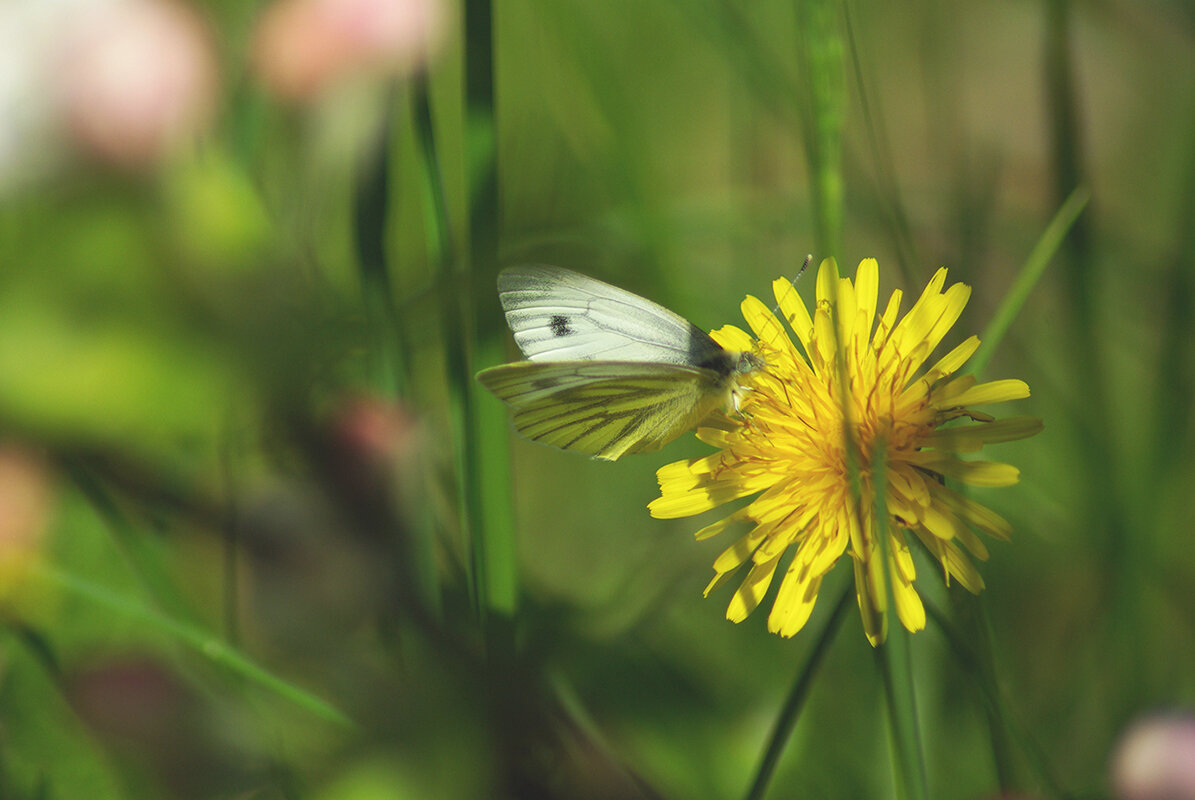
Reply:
x=811, y=420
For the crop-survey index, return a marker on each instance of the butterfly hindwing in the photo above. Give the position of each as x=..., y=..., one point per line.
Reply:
x=605, y=408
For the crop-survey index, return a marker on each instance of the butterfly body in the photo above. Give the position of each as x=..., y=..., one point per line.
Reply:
x=608, y=372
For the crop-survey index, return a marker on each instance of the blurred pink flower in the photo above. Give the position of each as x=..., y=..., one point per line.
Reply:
x=1155, y=759
x=303, y=47
x=137, y=80
x=25, y=502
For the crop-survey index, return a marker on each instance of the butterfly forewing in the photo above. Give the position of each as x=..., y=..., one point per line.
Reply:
x=605, y=409
x=561, y=315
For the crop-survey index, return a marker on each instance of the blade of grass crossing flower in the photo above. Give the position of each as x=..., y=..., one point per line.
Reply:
x=996, y=711
x=786, y=721
x=1031, y=271
x=488, y=462
x=979, y=667
x=196, y=639
x=895, y=660
x=892, y=648
x=820, y=54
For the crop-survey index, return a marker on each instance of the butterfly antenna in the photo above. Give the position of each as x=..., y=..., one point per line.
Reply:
x=804, y=267
x=795, y=278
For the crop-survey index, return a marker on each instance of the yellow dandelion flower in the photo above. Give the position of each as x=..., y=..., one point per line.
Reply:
x=789, y=450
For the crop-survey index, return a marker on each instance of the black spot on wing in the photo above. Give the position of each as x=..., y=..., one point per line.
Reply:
x=559, y=325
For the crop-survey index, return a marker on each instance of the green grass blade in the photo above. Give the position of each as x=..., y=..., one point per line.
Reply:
x=820, y=54
x=487, y=463
x=982, y=670
x=786, y=720
x=887, y=187
x=1028, y=276
x=895, y=658
x=370, y=224
x=195, y=638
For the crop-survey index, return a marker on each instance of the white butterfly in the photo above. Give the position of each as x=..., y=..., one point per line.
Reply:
x=609, y=372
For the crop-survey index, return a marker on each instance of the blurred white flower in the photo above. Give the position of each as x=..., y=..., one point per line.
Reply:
x=29, y=140
x=1155, y=759
x=304, y=47
x=138, y=80
x=122, y=81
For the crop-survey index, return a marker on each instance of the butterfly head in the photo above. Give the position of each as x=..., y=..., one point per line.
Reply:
x=748, y=362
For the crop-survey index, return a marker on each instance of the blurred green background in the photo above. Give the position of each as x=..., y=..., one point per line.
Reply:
x=262, y=537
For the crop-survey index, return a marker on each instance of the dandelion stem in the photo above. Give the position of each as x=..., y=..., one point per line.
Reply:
x=894, y=656
x=791, y=710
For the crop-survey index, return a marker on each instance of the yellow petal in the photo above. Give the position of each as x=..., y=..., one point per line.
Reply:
x=992, y=392
x=961, y=569
x=827, y=281
x=794, y=603
x=977, y=473
x=902, y=558
x=954, y=300
x=710, y=531
x=738, y=553
x=767, y=328
x=751, y=591
x=681, y=475
x=972, y=512
x=953, y=360
x=821, y=551
x=826, y=341
x=695, y=501
x=845, y=303
x=909, y=608
x=732, y=337
x=794, y=310
x=946, y=526
x=867, y=290
x=969, y=438
x=875, y=622
x=887, y=320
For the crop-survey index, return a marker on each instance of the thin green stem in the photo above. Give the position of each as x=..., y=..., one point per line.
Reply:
x=895, y=657
x=786, y=721
x=143, y=561
x=202, y=642
x=820, y=54
x=980, y=668
x=487, y=463
x=888, y=188
x=370, y=212
x=438, y=232
x=1030, y=273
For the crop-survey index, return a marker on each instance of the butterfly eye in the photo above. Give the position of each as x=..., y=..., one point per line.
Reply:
x=749, y=362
